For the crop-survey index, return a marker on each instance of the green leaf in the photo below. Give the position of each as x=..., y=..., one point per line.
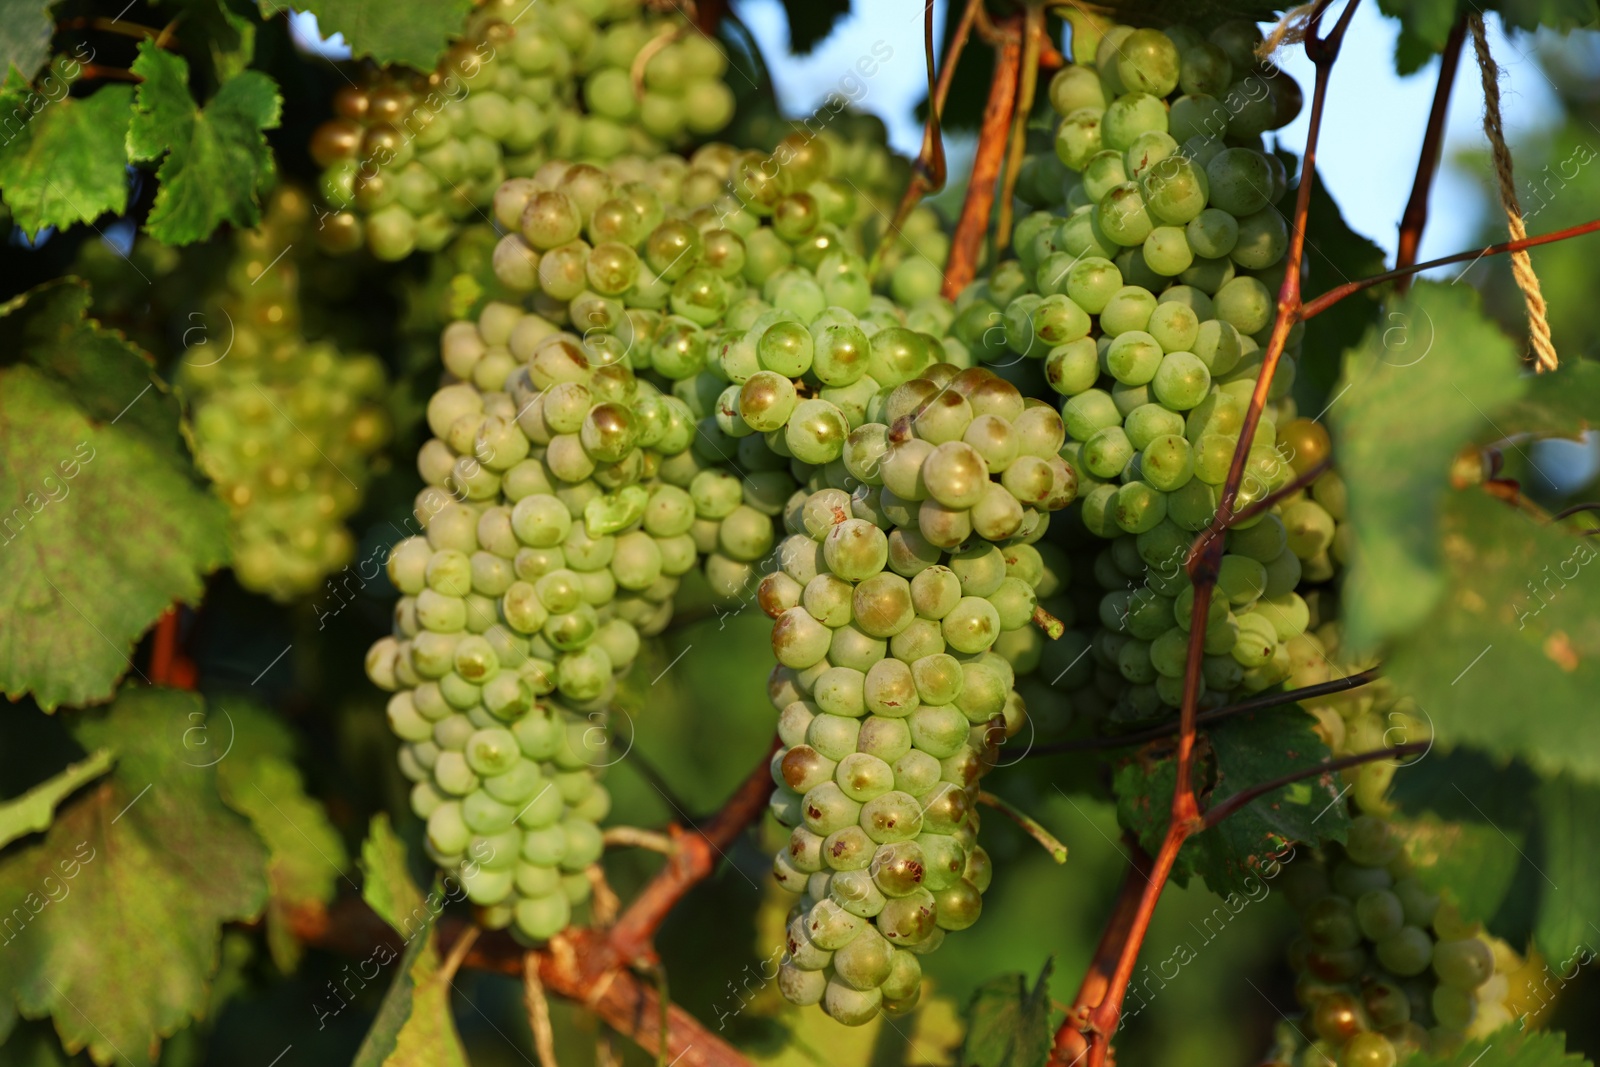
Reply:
x=1569, y=905
x=26, y=27
x=123, y=900
x=34, y=810
x=1412, y=394
x=1560, y=15
x=1143, y=787
x=414, y=1026
x=107, y=523
x=1007, y=1025
x=811, y=21
x=1469, y=835
x=256, y=777
x=1249, y=750
x=1507, y=1048
x=1237, y=754
x=1516, y=630
x=1563, y=403
x=65, y=162
x=413, y=32
x=229, y=35
x=216, y=158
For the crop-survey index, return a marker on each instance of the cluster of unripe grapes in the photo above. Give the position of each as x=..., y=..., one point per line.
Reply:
x=1385, y=967
x=285, y=428
x=551, y=546
x=1146, y=309
x=891, y=697
x=408, y=158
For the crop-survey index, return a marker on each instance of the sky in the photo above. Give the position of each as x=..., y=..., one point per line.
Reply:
x=1371, y=134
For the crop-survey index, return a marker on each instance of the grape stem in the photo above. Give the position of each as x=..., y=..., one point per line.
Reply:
x=1032, y=37
x=634, y=837
x=1270, y=700
x=1217, y=812
x=590, y=966
x=1029, y=824
x=1053, y=627
x=1204, y=561
x=1300, y=481
x=966, y=242
x=1416, y=213
x=692, y=860
x=928, y=172
x=1322, y=303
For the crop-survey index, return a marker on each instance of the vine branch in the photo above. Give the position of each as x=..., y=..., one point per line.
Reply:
x=966, y=243
x=1102, y=1019
x=693, y=858
x=1339, y=292
x=1416, y=213
x=1071, y=1045
x=590, y=966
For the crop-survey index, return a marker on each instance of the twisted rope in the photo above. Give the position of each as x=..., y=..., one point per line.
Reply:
x=1544, y=351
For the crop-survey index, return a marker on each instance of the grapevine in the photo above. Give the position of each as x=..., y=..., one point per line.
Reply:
x=817, y=603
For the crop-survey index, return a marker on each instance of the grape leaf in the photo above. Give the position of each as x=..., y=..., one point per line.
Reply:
x=216, y=157
x=1425, y=24
x=36, y=809
x=63, y=160
x=1234, y=755
x=1412, y=393
x=256, y=777
x=414, y=1026
x=1469, y=834
x=1507, y=1048
x=811, y=21
x=1249, y=750
x=1569, y=905
x=26, y=27
x=229, y=35
x=413, y=32
x=112, y=919
x=1517, y=625
x=1563, y=403
x=1008, y=1025
x=111, y=524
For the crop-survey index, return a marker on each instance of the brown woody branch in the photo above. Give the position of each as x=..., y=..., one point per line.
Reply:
x=1102, y=1019
x=1416, y=213
x=966, y=243
x=1071, y=1045
x=695, y=857
x=1322, y=303
x=567, y=968
x=591, y=966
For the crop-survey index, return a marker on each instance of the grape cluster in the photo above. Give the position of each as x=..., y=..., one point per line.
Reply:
x=1385, y=968
x=550, y=548
x=1146, y=308
x=409, y=157
x=565, y=500
x=287, y=430
x=888, y=602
